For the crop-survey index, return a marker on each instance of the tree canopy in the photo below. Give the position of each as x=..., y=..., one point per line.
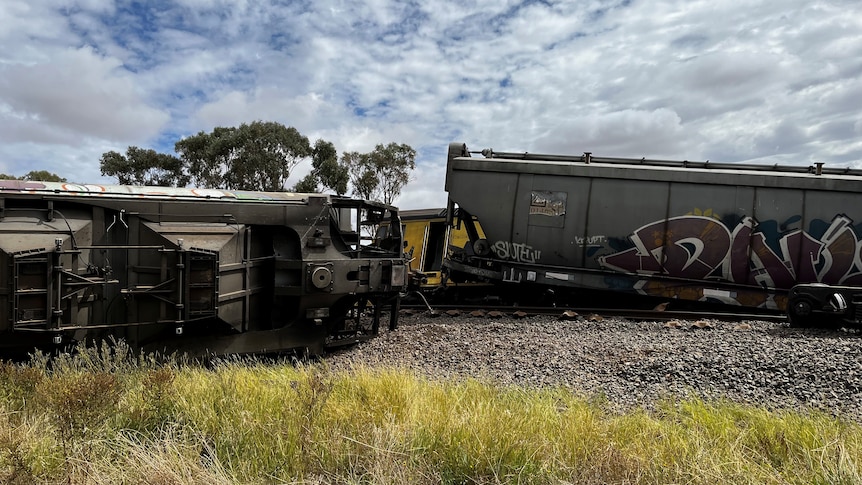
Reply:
x=144, y=167
x=40, y=175
x=255, y=156
x=260, y=156
x=325, y=171
x=381, y=174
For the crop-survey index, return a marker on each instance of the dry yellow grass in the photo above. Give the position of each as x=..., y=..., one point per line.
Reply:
x=116, y=419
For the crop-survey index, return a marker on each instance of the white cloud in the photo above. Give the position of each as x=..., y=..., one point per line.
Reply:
x=81, y=94
x=744, y=81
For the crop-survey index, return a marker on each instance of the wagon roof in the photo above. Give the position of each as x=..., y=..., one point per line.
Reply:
x=782, y=176
x=144, y=192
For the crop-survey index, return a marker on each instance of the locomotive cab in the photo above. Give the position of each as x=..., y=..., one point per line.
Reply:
x=195, y=271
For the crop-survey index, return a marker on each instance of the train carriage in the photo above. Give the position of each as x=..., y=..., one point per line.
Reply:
x=192, y=270
x=734, y=234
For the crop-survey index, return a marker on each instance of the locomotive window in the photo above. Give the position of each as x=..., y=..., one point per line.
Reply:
x=382, y=233
x=361, y=228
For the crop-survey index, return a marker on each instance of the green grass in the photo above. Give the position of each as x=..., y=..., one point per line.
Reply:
x=107, y=417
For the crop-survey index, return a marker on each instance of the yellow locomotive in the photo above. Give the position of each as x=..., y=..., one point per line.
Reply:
x=428, y=241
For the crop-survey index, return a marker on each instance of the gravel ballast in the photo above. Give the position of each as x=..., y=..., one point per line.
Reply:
x=631, y=363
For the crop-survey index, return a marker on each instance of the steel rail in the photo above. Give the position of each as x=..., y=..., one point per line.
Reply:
x=586, y=312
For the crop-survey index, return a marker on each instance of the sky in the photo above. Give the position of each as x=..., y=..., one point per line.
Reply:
x=743, y=81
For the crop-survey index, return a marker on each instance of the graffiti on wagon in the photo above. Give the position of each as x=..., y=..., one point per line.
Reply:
x=519, y=252
x=751, y=252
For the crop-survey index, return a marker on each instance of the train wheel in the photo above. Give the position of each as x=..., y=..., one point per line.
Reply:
x=800, y=312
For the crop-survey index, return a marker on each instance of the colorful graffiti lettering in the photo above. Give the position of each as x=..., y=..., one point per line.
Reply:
x=700, y=247
x=519, y=252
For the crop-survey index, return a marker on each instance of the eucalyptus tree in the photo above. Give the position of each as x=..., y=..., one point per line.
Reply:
x=40, y=175
x=382, y=173
x=141, y=166
x=254, y=156
x=325, y=171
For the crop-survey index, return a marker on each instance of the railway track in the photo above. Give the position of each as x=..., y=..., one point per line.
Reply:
x=590, y=313
x=635, y=361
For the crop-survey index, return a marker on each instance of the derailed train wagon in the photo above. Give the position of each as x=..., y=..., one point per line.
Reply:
x=735, y=234
x=190, y=270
